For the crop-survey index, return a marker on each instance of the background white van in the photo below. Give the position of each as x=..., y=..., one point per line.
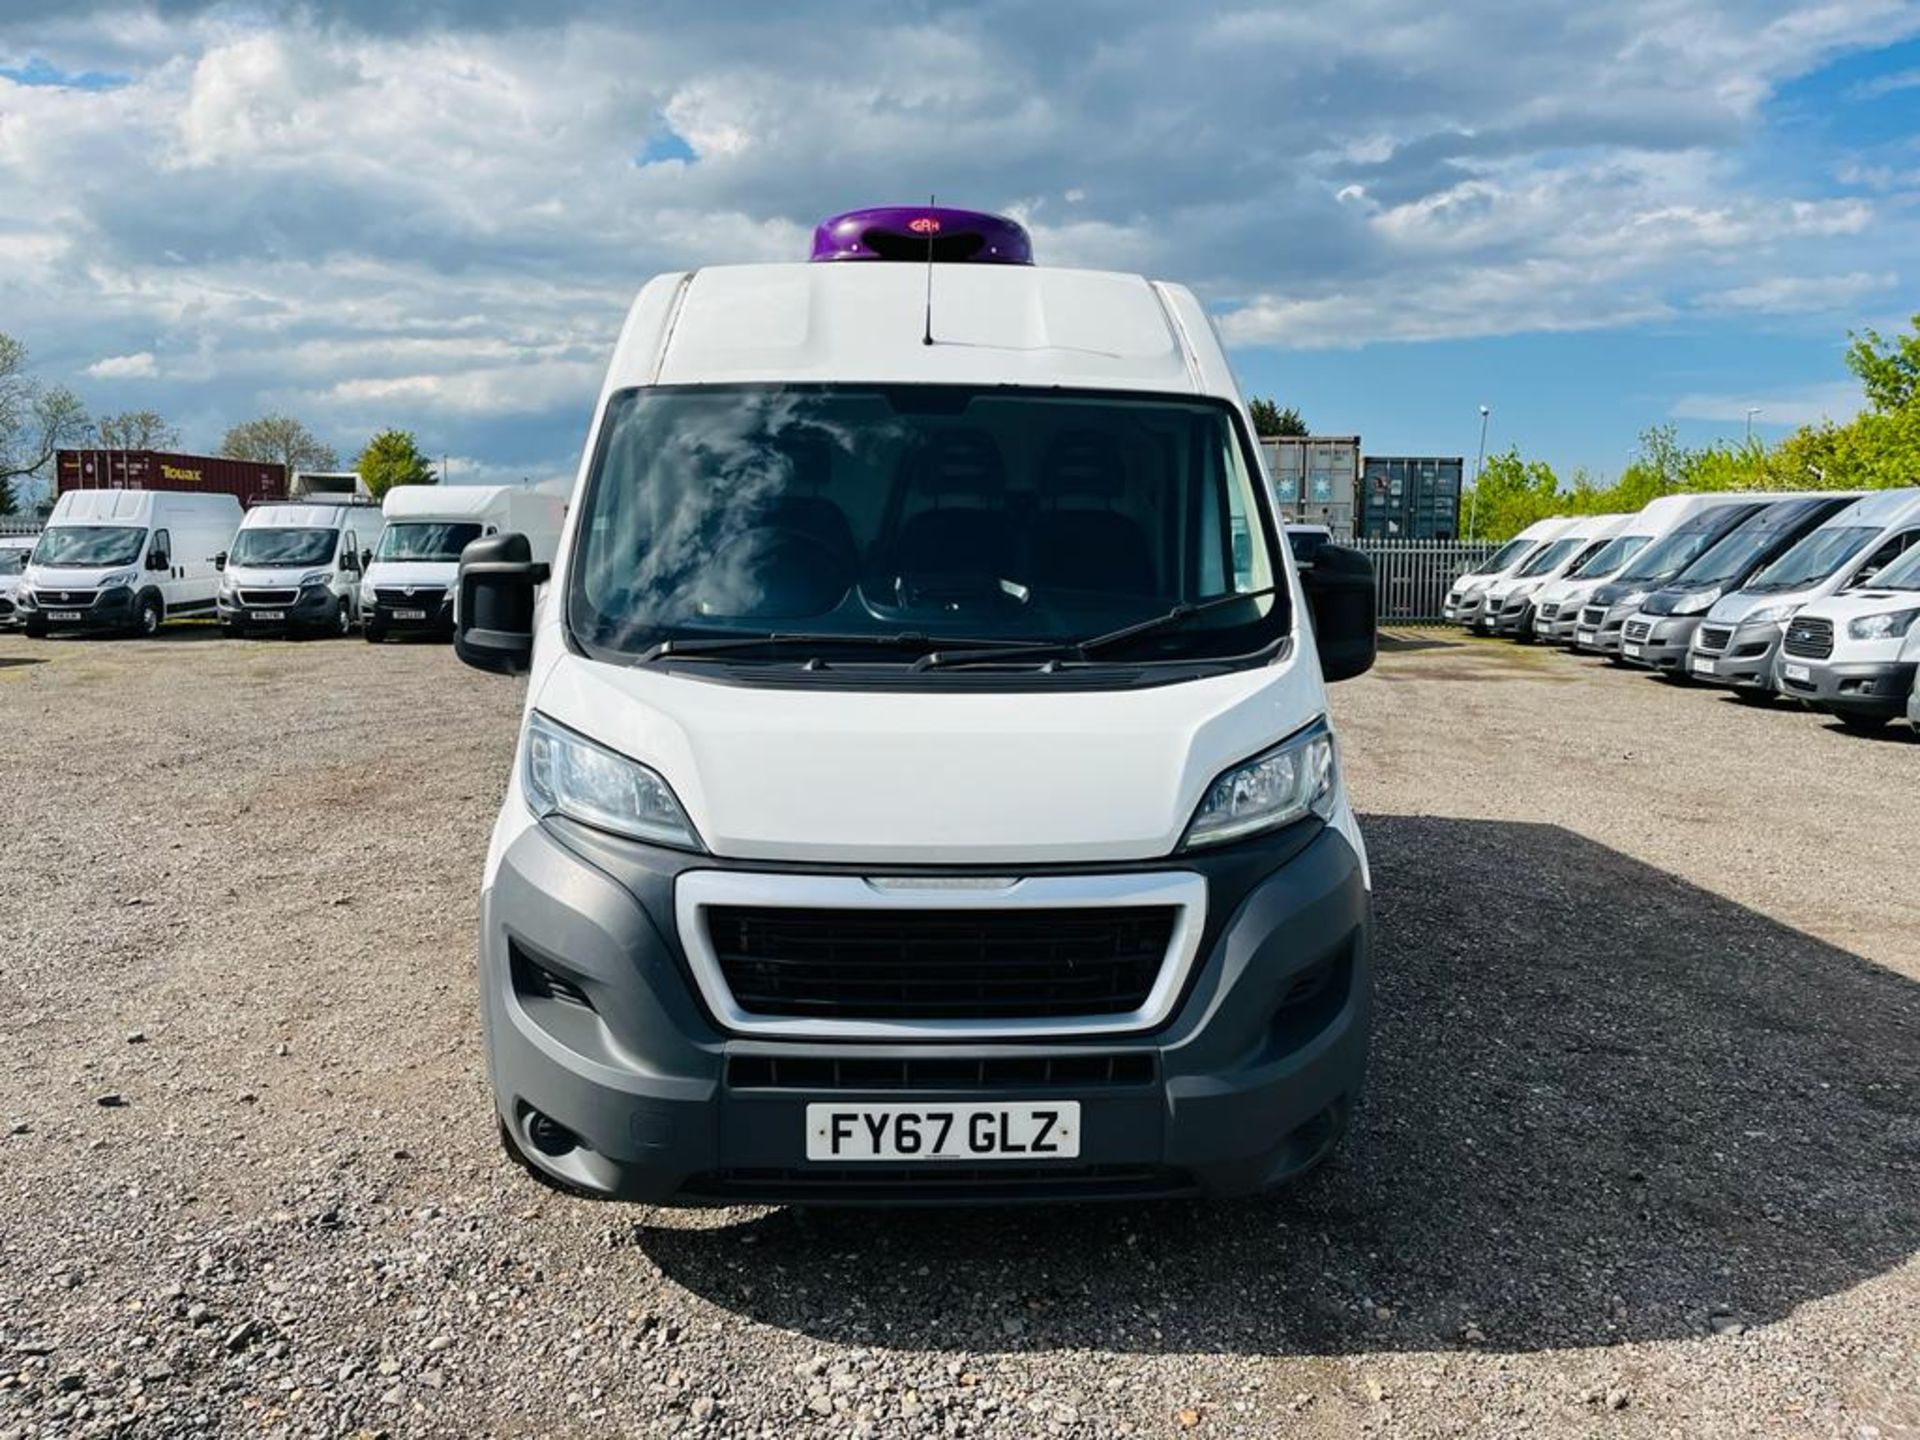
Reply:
x=295, y=566
x=127, y=560
x=409, y=583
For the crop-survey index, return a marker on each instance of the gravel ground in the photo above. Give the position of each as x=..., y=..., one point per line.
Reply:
x=1641, y=1154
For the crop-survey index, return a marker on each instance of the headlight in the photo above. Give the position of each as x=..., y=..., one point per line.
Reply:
x=567, y=774
x=1631, y=600
x=1695, y=603
x=366, y=592
x=318, y=577
x=1882, y=627
x=122, y=577
x=1770, y=615
x=1296, y=778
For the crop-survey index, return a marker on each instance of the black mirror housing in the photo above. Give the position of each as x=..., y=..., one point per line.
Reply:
x=1346, y=610
x=158, y=560
x=220, y=561
x=498, y=578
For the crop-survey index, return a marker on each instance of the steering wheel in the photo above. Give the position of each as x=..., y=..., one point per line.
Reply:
x=774, y=570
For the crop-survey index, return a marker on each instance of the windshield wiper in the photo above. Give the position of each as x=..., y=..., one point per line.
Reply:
x=693, y=649
x=1083, y=649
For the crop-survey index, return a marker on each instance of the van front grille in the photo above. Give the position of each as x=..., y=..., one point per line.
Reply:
x=1638, y=630
x=268, y=597
x=927, y=1073
x=1593, y=615
x=422, y=596
x=888, y=964
x=1714, y=637
x=1810, y=637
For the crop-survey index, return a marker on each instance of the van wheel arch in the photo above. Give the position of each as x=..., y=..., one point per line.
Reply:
x=150, y=612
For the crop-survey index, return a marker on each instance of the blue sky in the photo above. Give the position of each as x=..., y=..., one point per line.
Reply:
x=1590, y=218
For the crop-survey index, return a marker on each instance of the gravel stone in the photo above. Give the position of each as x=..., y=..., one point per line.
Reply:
x=1646, y=1020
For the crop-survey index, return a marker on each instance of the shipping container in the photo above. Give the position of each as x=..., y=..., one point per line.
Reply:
x=245, y=480
x=1313, y=479
x=1410, y=497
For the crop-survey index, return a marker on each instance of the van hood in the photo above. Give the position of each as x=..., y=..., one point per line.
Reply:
x=1855, y=603
x=438, y=573
x=1562, y=592
x=278, y=576
x=932, y=776
x=1732, y=609
x=75, y=577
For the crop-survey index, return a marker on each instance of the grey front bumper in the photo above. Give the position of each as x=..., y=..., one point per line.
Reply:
x=1881, y=688
x=1242, y=1088
x=1664, y=646
x=1743, y=662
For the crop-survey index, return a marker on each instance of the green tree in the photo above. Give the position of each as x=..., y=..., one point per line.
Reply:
x=278, y=440
x=1511, y=494
x=393, y=458
x=1270, y=419
x=137, y=430
x=1889, y=370
x=35, y=419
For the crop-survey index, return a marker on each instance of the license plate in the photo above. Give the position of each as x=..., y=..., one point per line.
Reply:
x=269, y=615
x=1632, y=652
x=944, y=1132
x=1583, y=637
x=409, y=614
x=1702, y=667
x=63, y=614
x=1796, y=672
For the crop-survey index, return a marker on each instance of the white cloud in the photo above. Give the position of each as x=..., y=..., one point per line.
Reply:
x=396, y=219
x=1809, y=405
x=140, y=365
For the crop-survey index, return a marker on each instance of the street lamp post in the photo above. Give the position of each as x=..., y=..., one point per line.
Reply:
x=1479, y=466
x=1752, y=410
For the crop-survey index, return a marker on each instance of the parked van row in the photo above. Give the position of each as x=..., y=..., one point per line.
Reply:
x=129, y=561
x=1811, y=597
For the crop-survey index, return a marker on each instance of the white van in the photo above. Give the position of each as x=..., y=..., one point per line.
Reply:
x=1464, y=604
x=1855, y=654
x=408, y=586
x=1557, y=606
x=1507, y=605
x=1738, y=643
x=127, y=560
x=14, y=552
x=1694, y=525
x=295, y=567
x=921, y=797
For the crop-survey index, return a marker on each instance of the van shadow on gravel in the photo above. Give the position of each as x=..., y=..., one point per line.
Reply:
x=1605, y=1106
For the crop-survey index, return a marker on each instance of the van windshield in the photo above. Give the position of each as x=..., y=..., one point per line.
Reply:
x=13, y=561
x=920, y=515
x=1664, y=559
x=86, y=547
x=425, y=540
x=1902, y=574
x=1609, y=557
x=1503, y=557
x=1815, y=558
x=284, y=547
x=1551, y=556
x=1735, y=556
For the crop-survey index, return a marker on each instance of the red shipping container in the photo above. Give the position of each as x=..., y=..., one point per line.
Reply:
x=247, y=480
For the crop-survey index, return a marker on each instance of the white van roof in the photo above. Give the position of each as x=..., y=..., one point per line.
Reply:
x=301, y=515
x=445, y=502
x=1549, y=529
x=1882, y=508
x=136, y=507
x=991, y=325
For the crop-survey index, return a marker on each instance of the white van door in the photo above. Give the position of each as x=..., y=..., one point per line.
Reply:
x=163, y=568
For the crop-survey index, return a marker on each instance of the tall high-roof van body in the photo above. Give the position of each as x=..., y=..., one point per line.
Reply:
x=927, y=790
x=126, y=561
x=408, y=584
x=1558, y=605
x=1466, y=599
x=295, y=567
x=1507, y=605
x=1738, y=643
x=1693, y=525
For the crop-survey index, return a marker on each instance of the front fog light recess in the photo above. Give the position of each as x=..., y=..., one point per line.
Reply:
x=1298, y=777
x=568, y=774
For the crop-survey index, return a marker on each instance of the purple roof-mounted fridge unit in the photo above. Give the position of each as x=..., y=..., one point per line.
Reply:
x=915, y=233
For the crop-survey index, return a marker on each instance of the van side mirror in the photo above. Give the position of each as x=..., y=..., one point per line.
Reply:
x=366, y=559
x=159, y=560
x=1346, y=610
x=220, y=561
x=494, y=630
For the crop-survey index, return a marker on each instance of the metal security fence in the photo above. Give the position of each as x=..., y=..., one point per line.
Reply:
x=16, y=525
x=1412, y=576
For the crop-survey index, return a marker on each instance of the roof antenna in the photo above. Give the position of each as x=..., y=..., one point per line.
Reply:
x=933, y=228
